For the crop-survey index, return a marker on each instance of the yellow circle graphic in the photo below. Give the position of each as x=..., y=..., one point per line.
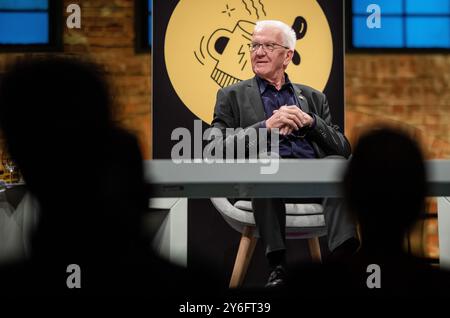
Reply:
x=206, y=46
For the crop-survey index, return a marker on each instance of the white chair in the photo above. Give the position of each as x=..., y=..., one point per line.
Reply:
x=19, y=213
x=303, y=221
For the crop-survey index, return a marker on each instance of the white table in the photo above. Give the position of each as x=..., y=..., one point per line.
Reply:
x=295, y=178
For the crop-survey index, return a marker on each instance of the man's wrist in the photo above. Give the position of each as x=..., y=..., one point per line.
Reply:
x=313, y=124
x=262, y=124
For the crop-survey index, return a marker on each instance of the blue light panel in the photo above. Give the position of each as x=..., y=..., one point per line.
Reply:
x=24, y=28
x=428, y=7
x=387, y=6
x=389, y=35
x=428, y=32
x=423, y=24
x=24, y=4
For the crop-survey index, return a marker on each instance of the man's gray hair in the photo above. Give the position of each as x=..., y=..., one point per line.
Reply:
x=289, y=37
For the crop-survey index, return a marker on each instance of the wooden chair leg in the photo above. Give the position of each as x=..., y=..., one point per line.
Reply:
x=314, y=249
x=243, y=257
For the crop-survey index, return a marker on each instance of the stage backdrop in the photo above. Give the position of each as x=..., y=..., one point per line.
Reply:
x=200, y=46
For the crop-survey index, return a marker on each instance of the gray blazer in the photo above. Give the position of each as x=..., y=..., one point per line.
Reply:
x=240, y=105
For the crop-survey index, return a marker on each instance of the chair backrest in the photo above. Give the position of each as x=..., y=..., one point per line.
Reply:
x=302, y=220
x=18, y=218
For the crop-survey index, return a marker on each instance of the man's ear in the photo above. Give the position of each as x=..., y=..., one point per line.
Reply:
x=288, y=59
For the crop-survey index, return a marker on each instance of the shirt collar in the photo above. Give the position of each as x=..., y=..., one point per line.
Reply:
x=263, y=84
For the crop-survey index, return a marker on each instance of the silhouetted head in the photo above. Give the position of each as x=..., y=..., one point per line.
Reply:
x=53, y=112
x=85, y=172
x=385, y=184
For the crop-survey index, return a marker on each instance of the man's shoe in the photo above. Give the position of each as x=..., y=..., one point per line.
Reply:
x=277, y=277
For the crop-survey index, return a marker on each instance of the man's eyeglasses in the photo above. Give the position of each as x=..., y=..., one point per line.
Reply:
x=267, y=47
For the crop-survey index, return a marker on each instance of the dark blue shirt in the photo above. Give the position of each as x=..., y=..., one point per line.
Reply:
x=291, y=146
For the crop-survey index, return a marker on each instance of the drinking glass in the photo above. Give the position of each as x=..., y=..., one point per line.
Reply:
x=9, y=165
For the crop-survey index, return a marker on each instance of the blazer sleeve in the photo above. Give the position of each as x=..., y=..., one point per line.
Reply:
x=327, y=136
x=226, y=115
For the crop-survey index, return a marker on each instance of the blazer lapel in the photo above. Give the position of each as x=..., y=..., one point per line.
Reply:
x=303, y=103
x=255, y=100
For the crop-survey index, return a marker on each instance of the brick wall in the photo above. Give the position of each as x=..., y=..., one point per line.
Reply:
x=107, y=37
x=406, y=90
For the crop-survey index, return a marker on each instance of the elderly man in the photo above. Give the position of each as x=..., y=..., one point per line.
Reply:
x=302, y=115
